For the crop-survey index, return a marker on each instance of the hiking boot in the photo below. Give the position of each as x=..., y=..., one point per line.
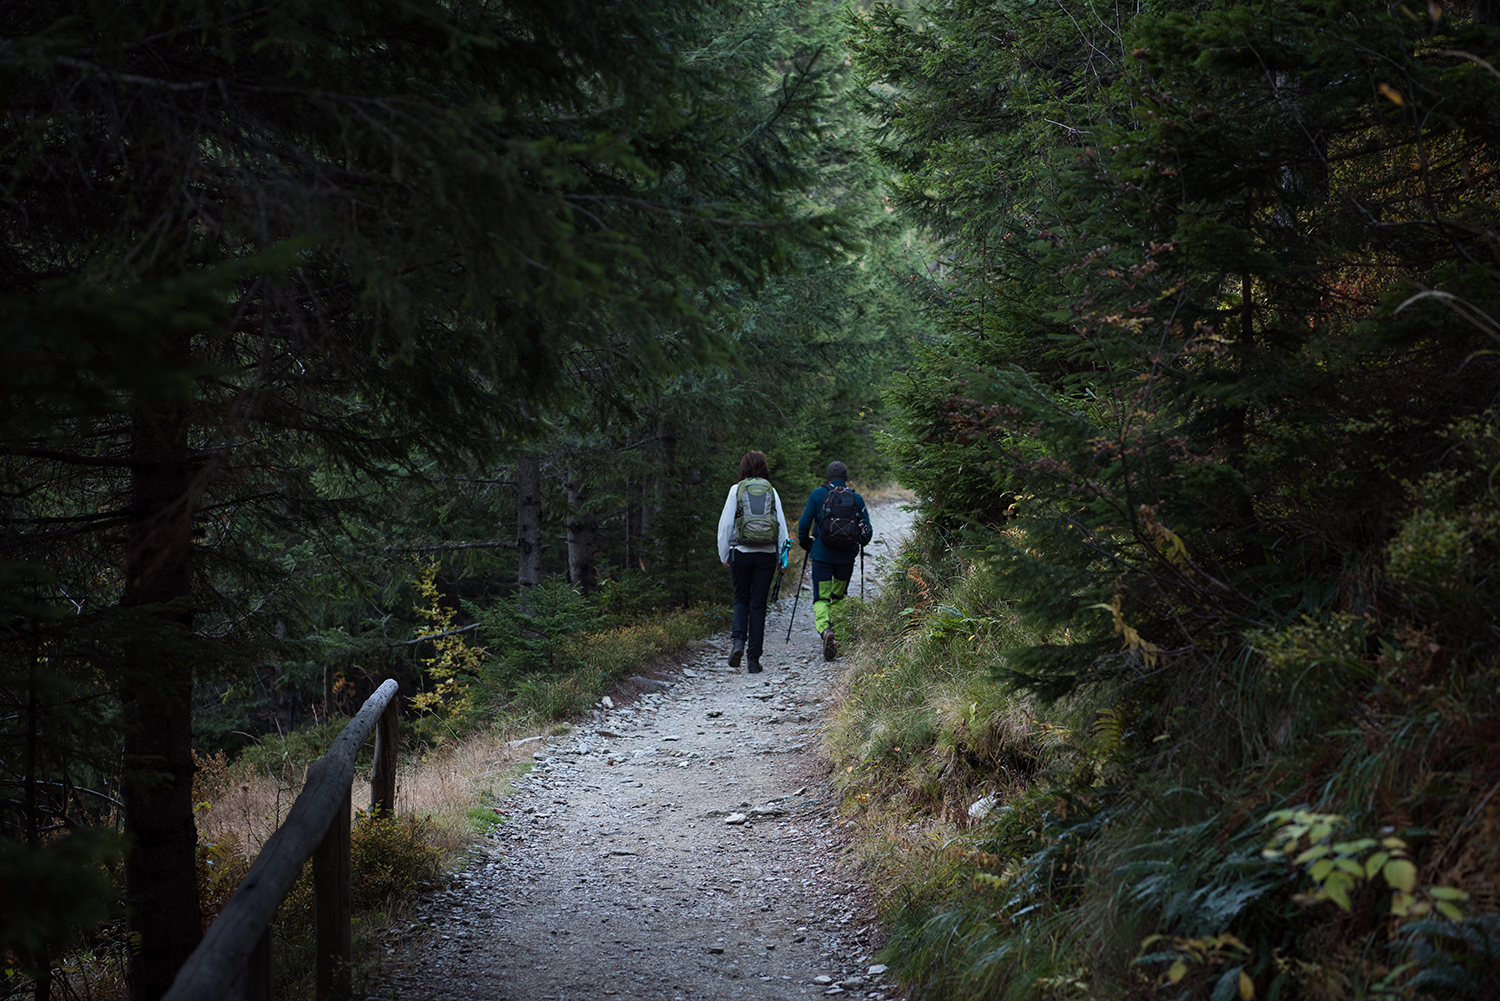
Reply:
x=754, y=666
x=830, y=645
x=736, y=651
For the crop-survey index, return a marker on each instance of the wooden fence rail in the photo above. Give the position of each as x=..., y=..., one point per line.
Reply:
x=233, y=962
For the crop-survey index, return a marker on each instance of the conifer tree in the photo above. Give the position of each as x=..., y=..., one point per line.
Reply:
x=1170, y=288
x=1218, y=372
x=252, y=250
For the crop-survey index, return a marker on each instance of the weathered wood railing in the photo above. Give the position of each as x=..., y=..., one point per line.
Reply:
x=233, y=962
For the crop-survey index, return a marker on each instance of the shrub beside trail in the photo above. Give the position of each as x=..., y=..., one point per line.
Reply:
x=1327, y=845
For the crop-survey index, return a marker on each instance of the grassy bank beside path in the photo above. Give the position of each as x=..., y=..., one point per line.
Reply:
x=446, y=794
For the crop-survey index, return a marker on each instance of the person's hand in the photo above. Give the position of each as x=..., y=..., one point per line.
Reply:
x=805, y=545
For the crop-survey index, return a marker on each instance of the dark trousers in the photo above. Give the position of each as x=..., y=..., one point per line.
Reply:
x=751, y=573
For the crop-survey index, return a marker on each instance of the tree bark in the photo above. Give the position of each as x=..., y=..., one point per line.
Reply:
x=1239, y=429
x=643, y=533
x=581, y=530
x=629, y=517
x=667, y=432
x=529, y=519
x=161, y=884
x=659, y=490
x=42, y=988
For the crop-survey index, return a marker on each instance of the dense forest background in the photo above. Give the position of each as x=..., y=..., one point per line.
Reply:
x=330, y=326
x=1193, y=672
x=348, y=340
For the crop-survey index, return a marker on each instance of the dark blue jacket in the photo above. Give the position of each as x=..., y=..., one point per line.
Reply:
x=808, y=523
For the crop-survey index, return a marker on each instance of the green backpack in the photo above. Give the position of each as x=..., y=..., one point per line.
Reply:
x=755, y=513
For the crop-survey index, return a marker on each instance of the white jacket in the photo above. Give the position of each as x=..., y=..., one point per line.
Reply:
x=726, y=527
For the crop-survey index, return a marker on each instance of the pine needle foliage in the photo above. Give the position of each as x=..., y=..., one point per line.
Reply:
x=261, y=261
x=1215, y=394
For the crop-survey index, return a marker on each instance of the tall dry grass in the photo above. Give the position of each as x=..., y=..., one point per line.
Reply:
x=243, y=807
x=442, y=805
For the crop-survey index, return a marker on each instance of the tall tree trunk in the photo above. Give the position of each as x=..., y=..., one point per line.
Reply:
x=629, y=517
x=1240, y=427
x=161, y=884
x=667, y=433
x=581, y=528
x=42, y=988
x=643, y=533
x=529, y=519
x=659, y=491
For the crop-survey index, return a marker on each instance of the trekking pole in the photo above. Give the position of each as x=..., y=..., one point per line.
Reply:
x=780, y=571
x=861, y=573
x=796, y=599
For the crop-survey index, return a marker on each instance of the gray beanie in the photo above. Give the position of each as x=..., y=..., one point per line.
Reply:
x=838, y=471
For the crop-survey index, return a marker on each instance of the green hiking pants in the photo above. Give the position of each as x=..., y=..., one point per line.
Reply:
x=830, y=584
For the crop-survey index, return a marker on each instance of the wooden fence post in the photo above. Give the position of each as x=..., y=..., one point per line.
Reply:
x=333, y=909
x=255, y=983
x=383, y=774
x=233, y=962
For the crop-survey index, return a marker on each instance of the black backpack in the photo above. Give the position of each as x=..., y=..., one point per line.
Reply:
x=839, y=526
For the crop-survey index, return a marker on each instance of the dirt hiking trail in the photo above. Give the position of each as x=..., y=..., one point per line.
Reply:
x=681, y=845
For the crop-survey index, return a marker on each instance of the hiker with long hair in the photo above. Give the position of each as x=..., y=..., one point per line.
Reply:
x=752, y=530
x=833, y=529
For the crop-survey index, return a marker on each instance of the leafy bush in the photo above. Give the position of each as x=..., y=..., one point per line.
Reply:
x=391, y=860
x=452, y=666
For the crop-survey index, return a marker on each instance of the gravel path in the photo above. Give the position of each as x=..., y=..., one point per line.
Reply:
x=682, y=845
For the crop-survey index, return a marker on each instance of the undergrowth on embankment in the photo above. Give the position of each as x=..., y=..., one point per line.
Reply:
x=1310, y=824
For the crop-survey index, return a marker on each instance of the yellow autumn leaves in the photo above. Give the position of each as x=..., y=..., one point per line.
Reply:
x=1336, y=868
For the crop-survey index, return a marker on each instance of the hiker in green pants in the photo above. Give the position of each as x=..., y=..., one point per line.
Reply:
x=833, y=528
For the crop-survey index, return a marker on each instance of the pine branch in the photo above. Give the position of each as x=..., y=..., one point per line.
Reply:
x=451, y=547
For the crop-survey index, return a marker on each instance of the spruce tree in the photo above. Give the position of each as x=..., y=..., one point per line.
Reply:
x=1183, y=320
x=251, y=250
